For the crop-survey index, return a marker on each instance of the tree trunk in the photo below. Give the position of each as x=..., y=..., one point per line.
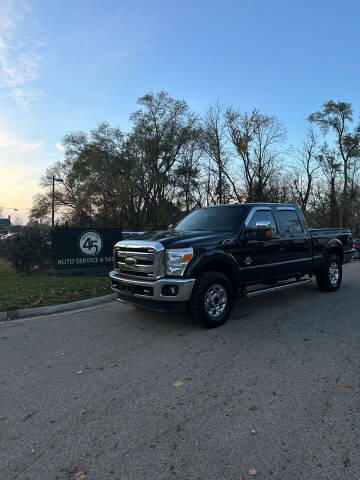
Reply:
x=333, y=209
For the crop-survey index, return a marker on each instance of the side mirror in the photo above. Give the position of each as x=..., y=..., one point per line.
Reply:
x=263, y=231
x=170, y=227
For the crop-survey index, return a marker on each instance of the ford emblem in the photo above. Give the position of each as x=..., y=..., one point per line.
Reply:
x=130, y=261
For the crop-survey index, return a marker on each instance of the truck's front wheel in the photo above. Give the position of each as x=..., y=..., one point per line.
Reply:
x=329, y=278
x=212, y=299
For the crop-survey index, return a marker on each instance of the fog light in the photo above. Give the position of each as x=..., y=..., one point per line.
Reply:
x=169, y=290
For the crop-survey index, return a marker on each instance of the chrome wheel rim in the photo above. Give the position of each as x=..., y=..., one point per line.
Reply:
x=215, y=300
x=334, y=274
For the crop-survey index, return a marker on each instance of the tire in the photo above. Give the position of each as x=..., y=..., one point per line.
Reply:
x=329, y=278
x=212, y=299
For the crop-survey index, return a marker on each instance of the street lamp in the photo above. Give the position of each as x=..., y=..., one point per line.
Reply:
x=60, y=180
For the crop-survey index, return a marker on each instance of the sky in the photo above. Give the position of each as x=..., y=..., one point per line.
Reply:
x=68, y=65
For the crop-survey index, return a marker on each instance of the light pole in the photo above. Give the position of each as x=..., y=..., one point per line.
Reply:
x=54, y=179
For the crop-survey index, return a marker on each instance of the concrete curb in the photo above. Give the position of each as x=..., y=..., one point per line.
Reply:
x=64, y=307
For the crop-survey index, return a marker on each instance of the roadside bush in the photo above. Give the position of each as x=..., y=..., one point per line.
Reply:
x=27, y=249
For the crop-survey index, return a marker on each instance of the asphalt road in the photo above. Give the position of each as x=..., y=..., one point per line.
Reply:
x=93, y=390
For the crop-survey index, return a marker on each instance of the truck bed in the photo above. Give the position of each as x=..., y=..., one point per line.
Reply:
x=323, y=237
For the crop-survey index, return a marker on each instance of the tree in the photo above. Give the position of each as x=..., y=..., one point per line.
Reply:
x=335, y=117
x=27, y=248
x=257, y=139
x=162, y=129
x=117, y=179
x=95, y=173
x=241, y=131
x=213, y=142
x=187, y=180
x=328, y=160
x=303, y=174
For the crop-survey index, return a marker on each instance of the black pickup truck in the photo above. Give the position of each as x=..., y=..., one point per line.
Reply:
x=216, y=252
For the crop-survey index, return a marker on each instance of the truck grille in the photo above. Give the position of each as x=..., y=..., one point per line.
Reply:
x=139, y=259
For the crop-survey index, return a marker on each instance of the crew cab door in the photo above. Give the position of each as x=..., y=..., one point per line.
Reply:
x=258, y=260
x=296, y=252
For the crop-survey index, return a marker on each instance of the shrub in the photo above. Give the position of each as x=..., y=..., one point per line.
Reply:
x=28, y=248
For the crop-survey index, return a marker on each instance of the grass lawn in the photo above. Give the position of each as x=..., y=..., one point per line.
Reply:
x=37, y=290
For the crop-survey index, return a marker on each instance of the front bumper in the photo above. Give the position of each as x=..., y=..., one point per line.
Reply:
x=159, y=291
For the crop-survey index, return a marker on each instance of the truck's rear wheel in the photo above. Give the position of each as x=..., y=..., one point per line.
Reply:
x=212, y=299
x=329, y=278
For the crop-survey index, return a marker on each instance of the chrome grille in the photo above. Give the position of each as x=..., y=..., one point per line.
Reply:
x=139, y=259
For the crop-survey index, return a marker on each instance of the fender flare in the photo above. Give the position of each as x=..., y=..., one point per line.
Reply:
x=334, y=243
x=200, y=262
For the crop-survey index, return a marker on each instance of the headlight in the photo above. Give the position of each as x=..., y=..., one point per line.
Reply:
x=177, y=259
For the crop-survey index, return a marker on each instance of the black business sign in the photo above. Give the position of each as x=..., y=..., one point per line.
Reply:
x=84, y=247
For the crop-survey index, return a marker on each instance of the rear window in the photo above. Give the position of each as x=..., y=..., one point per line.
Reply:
x=290, y=221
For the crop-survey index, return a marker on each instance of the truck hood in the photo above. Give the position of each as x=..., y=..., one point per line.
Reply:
x=181, y=239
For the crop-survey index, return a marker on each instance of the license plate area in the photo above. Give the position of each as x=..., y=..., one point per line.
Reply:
x=126, y=288
x=133, y=289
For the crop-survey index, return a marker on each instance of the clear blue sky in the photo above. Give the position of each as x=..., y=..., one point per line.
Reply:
x=66, y=65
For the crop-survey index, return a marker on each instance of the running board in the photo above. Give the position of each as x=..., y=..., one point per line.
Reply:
x=254, y=293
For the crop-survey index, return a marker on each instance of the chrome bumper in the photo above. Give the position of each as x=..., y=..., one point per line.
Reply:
x=184, y=288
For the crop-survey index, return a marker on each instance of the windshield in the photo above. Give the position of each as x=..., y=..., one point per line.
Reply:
x=213, y=219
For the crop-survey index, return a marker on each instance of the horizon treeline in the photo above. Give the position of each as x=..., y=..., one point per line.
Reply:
x=172, y=161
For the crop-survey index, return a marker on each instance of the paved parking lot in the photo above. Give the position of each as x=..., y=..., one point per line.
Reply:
x=275, y=389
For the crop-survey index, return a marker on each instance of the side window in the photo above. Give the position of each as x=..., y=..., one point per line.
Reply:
x=263, y=216
x=290, y=221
